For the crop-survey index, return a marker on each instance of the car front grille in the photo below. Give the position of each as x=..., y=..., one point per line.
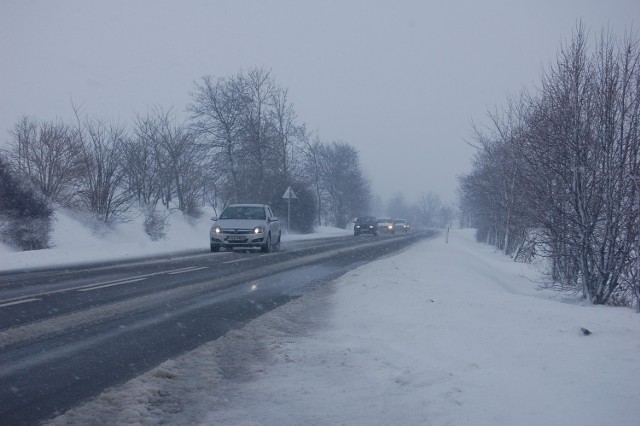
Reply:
x=237, y=231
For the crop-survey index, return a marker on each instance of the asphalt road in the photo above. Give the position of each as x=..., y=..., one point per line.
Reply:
x=67, y=334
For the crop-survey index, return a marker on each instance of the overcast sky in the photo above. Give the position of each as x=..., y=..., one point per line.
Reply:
x=399, y=80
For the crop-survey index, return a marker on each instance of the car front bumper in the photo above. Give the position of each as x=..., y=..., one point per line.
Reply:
x=237, y=240
x=365, y=229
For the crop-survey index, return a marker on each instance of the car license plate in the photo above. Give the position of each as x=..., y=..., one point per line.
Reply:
x=236, y=238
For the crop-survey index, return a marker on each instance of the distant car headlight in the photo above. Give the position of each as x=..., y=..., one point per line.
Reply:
x=390, y=227
x=216, y=230
x=258, y=230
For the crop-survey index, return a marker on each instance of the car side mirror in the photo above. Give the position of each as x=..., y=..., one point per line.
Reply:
x=274, y=219
x=214, y=218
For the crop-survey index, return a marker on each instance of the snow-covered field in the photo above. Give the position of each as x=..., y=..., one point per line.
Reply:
x=442, y=333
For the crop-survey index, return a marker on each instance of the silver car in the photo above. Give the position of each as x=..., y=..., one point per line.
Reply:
x=401, y=225
x=246, y=225
x=385, y=225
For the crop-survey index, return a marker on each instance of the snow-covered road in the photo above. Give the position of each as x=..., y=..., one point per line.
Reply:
x=442, y=333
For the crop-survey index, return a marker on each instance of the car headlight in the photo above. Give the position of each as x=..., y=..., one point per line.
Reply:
x=258, y=230
x=390, y=227
x=216, y=230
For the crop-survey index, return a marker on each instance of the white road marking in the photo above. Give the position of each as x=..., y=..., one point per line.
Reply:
x=97, y=286
x=17, y=302
x=193, y=268
x=105, y=285
x=136, y=279
x=243, y=260
x=180, y=270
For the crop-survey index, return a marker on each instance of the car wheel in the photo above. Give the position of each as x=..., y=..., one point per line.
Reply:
x=277, y=245
x=215, y=248
x=266, y=247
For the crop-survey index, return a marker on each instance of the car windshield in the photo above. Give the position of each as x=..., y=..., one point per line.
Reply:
x=243, y=212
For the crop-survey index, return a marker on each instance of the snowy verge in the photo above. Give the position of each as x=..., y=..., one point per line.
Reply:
x=74, y=243
x=442, y=333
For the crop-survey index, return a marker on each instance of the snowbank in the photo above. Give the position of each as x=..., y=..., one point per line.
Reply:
x=74, y=241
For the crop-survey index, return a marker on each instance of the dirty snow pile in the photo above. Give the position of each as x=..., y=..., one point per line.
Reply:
x=442, y=333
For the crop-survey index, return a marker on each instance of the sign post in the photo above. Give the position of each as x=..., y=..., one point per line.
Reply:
x=289, y=194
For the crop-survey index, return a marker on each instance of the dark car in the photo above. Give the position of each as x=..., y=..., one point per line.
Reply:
x=365, y=225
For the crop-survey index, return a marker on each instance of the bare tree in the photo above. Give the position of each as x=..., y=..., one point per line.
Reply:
x=140, y=163
x=50, y=154
x=397, y=206
x=590, y=167
x=312, y=171
x=250, y=131
x=180, y=161
x=258, y=90
x=25, y=135
x=564, y=169
x=288, y=137
x=428, y=206
x=348, y=190
x=102, y=192
x=255, y=148
x=216, y=113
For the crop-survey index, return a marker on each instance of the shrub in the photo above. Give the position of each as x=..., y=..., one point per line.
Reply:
x=25, y=214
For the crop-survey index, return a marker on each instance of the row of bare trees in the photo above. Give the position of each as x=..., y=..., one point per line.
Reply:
x=73, y=165
x=241, y=142
x=558, y=171
x=256, y=147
